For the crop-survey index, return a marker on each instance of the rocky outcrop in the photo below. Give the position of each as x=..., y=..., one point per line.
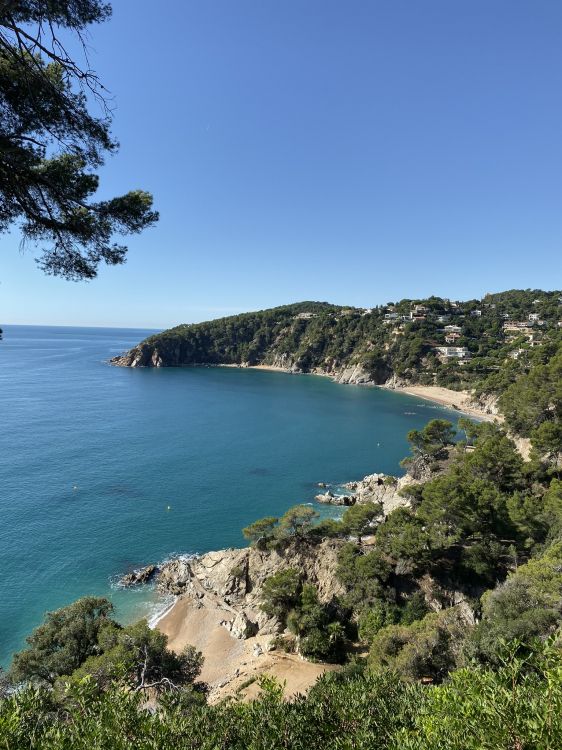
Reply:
x=487, y=403
x=241, y=627
x=329, y=498
x=139, y=576
x=168, y=353
x=233, y=579
x=353, y=375
x=374, y=488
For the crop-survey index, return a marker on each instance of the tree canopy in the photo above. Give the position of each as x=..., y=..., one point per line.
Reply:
x=51, y=144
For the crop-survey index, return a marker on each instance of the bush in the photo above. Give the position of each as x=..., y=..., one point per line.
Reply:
x=377, y=616
x=427, y=648
x=281, y=593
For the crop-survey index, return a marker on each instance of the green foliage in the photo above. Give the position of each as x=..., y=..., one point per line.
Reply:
x=64, y=641
x=261, y=531
x=296, y=522
x=321, y=636
x=546, y=440
x=281, y=592
x=379, y=614
x=430, y=442
x=496, y=459
x=403, y=537
x=516, y=706
x=415, y=608
x=527, y=605
x=363, y=574
x=360, y=519
x=81, y=642
x=424, y=649
x=468, y=517
x=535, y=398
x=138, y=657
x=50, y=142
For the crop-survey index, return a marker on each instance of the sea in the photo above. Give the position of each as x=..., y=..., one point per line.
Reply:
x=105, y=469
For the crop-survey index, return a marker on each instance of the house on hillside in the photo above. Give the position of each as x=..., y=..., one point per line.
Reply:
x=452, y=352
x=450, y=338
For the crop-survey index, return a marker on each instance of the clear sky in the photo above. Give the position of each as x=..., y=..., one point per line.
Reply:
x=350, y=151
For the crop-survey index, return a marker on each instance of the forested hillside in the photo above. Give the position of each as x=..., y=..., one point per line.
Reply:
x=483, y=344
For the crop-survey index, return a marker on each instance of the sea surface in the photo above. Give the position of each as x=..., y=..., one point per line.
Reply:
x=104, y=469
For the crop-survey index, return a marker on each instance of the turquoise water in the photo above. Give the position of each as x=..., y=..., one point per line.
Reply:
x=92, y=456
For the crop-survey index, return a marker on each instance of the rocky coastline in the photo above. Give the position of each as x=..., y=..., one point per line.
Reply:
x=484, y=408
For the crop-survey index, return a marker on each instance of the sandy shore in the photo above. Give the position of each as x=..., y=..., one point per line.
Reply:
x=460, y=400
x=230, y=662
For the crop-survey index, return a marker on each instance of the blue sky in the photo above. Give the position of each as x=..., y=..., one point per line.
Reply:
x=356, y=152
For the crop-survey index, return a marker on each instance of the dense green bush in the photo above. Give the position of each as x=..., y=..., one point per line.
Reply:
x=516, y=706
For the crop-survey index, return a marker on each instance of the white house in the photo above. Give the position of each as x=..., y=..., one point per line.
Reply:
x=453, y=352
x=450, y=338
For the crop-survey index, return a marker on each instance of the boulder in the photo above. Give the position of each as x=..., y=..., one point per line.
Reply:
x=242, y=627
x=139, y=576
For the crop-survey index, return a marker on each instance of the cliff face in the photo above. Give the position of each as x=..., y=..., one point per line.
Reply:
x=172, y=354
x=165, y=354
x=232, y=579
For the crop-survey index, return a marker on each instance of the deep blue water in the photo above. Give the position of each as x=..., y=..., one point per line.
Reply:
x=103, y=469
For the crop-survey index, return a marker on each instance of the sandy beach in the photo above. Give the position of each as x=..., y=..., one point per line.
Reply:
x=230, y=662
x=460, y=400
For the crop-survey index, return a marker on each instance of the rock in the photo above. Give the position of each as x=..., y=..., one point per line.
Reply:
x=258, y=651
x=214, y=577
x=326, y=497
x=241, y=627
x=330, y=499
x=378, y=488
x=139, y=576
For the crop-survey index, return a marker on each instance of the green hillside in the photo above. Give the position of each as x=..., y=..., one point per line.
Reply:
x=483, y=344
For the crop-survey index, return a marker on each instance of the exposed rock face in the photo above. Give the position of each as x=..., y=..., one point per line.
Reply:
x=439, y=597
x=166, y=354
x=488, y=404
x=138, y=577
x=171, y=352
x=374, y=488
x=393, y=382
x=330, y=499
x=233, y=579
x=354, y=374
x=241, y=627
